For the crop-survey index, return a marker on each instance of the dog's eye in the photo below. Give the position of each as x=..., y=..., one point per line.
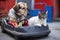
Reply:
x=23, y=8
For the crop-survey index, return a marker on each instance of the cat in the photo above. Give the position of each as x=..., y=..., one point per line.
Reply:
x=38, y=20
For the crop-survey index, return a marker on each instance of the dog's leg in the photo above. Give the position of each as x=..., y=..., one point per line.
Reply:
x=20, y=24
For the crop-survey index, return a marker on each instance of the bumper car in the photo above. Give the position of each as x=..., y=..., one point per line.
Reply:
x=25, y=31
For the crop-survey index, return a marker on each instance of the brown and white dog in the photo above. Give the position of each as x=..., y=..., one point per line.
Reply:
x=38, y=20
x=18, y=9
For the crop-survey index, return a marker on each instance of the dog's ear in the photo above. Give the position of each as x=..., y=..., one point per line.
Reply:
x=39, y=14
x=26, y=5
x=22, y=4
x=16, y=7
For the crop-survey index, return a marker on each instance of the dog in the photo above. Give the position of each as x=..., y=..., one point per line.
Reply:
x=19, y=9
x=38, y=20
x=16, y=7
x=18, y=21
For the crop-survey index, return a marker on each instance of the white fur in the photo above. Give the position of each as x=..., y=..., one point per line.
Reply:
x=36, y=21
x=11, y=13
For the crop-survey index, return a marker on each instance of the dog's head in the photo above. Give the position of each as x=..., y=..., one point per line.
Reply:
x=42, y=15
x=20, y=15
x=21, y=7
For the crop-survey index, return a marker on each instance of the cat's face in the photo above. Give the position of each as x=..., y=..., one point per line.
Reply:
x=42, y=15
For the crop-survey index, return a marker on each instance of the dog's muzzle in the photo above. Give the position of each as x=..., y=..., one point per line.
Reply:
x=21, y=18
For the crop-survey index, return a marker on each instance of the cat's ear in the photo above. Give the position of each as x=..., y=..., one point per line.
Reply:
x=39, y=14
x=46, y=12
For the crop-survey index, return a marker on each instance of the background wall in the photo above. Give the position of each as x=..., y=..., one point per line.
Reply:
x=9, y=4
x=33, y=4
x=29, y=2
x=5, y=6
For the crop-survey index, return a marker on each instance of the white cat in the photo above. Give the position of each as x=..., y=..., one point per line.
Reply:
x=38, y=20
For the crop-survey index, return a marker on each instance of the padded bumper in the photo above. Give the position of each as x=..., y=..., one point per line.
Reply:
x=32, y=35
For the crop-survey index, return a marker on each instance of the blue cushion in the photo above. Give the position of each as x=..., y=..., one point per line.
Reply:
x=33, y=12
x=50, y=13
